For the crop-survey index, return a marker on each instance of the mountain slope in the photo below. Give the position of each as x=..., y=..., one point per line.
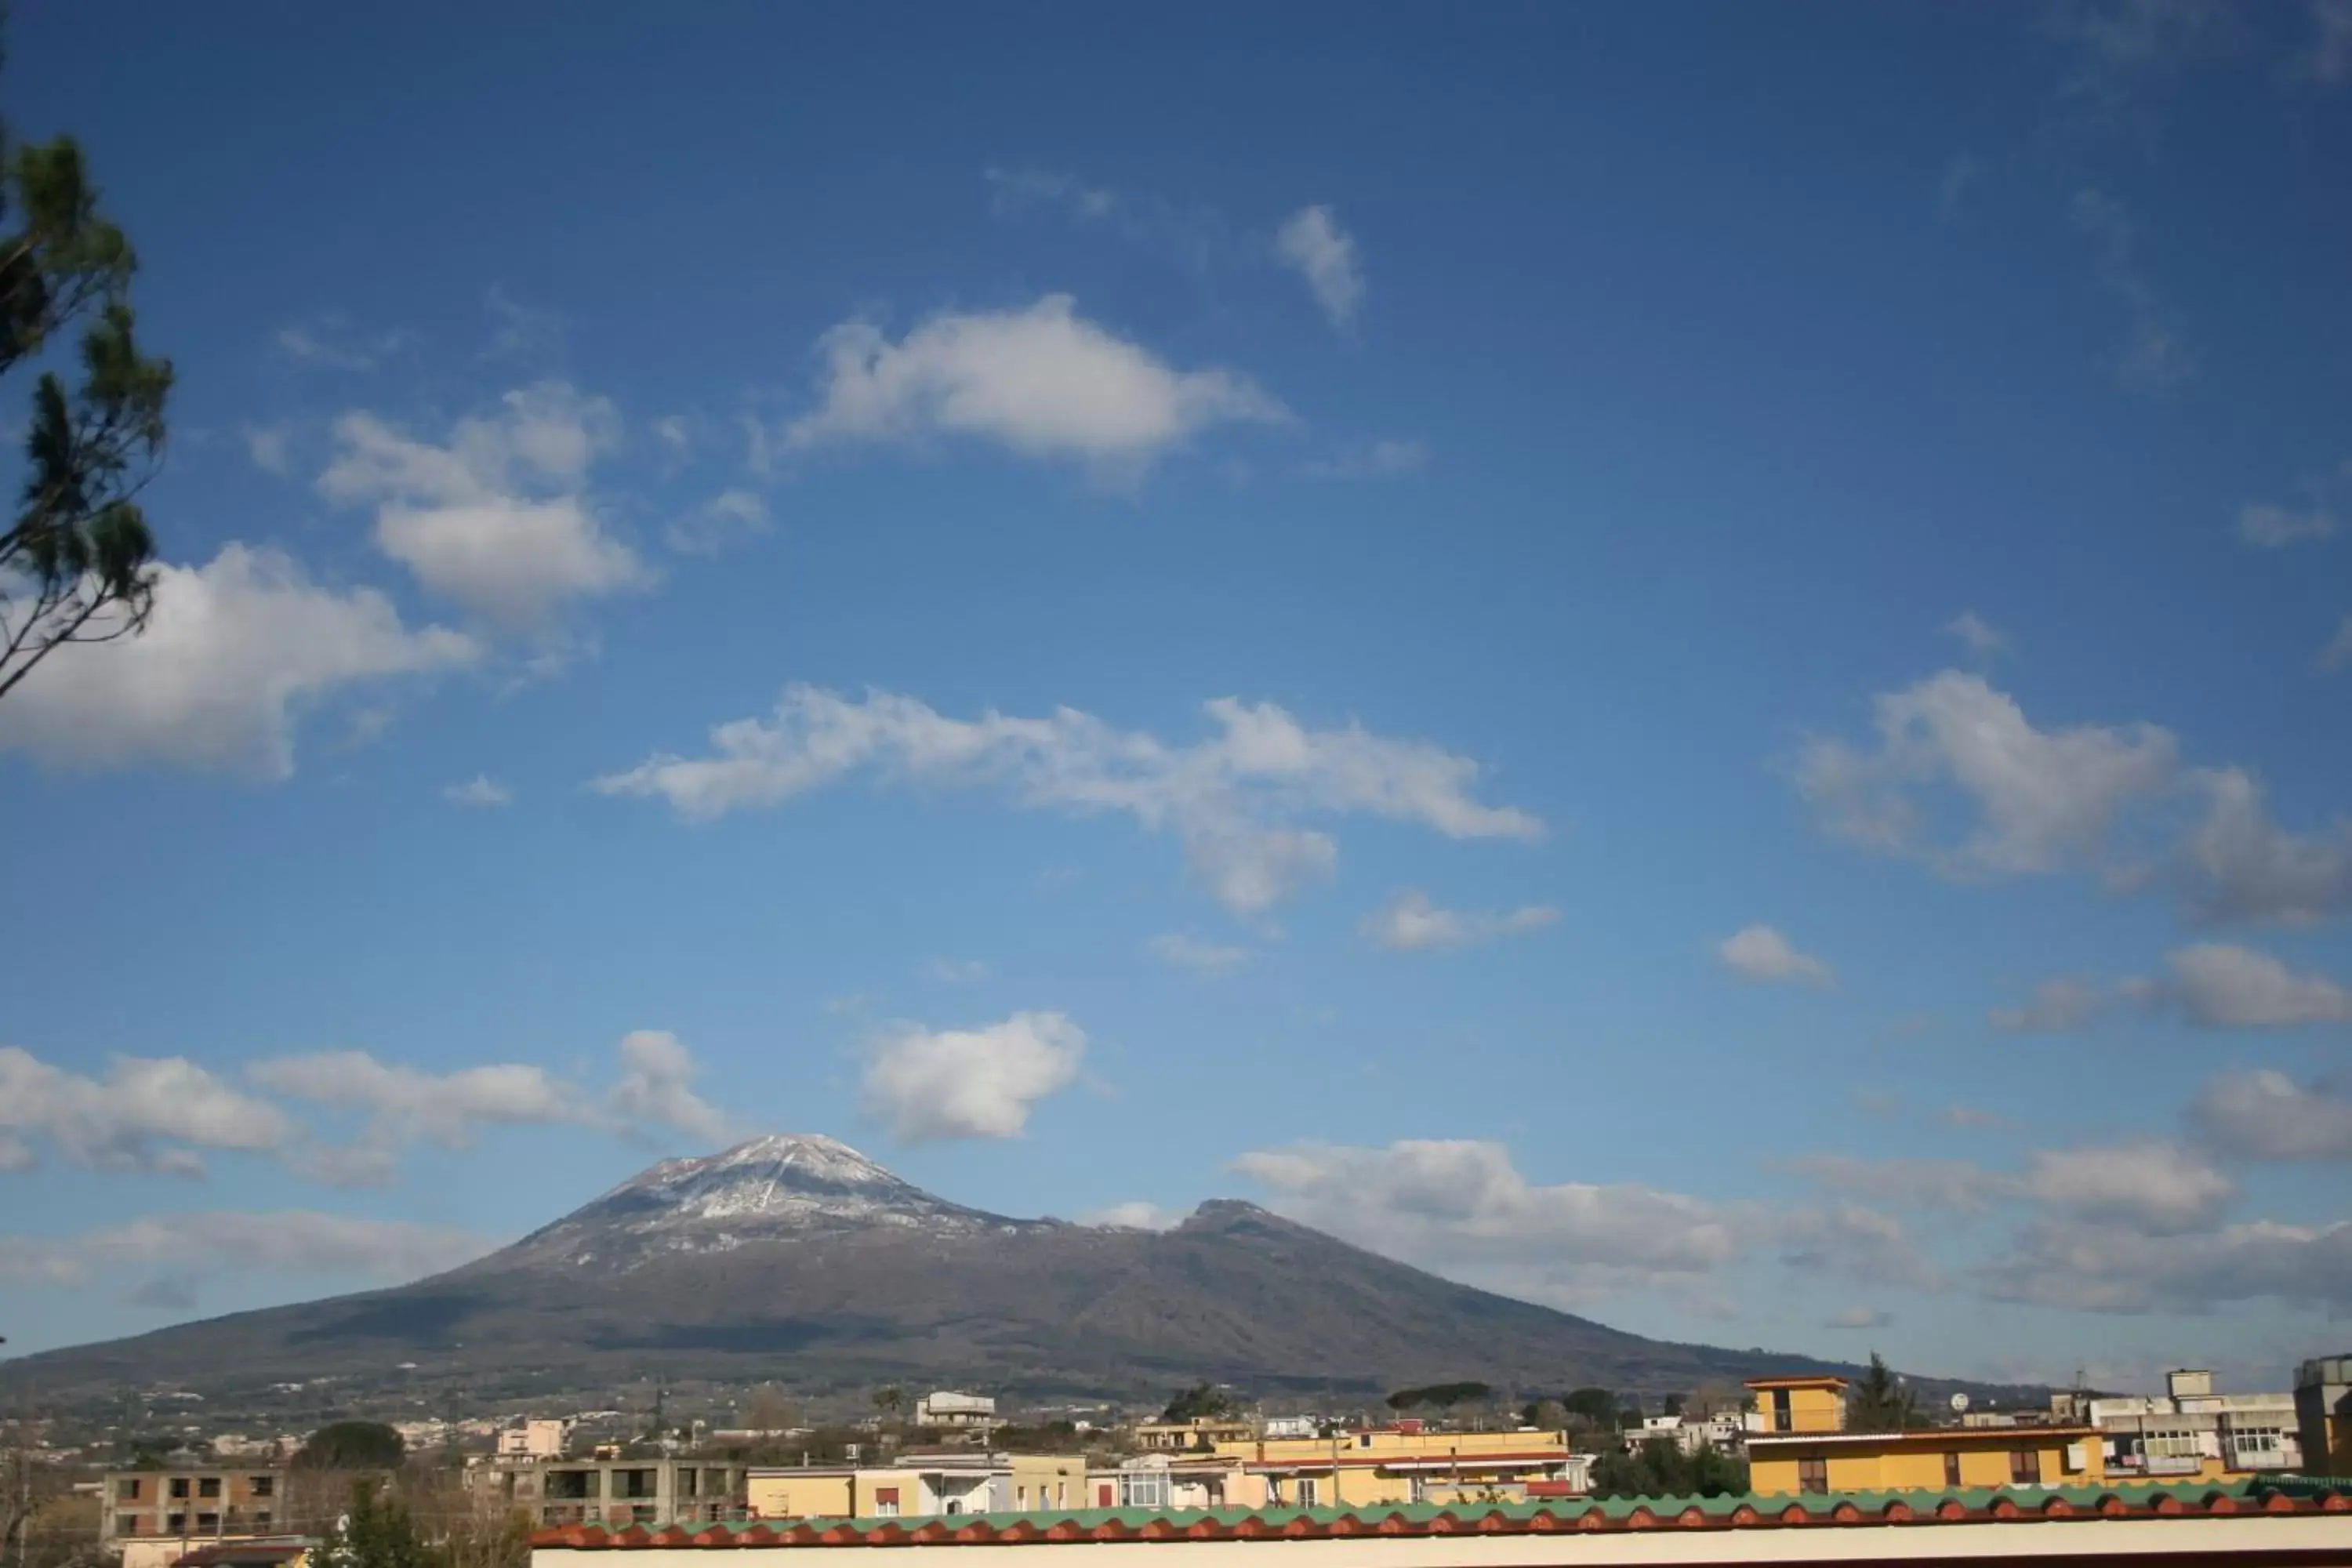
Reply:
x=798, y=1259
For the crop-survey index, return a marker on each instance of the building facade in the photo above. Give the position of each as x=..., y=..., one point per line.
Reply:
x=2323, y=1410
x=618, y=1493
x=195, y=1505
x=2191, y=1432
x=957, y=1411
x=918, y=1485
x=1403, y=1463
x=1202, y=1432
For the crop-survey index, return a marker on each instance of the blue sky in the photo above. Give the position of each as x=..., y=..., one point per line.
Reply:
x=1687, y=660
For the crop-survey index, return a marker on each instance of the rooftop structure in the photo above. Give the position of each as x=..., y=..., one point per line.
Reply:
x=2274, y=1523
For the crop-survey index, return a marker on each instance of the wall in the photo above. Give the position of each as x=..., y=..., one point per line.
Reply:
x=1912, y=1464
x=803, y=1495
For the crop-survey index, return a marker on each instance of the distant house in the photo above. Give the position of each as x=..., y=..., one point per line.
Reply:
x=1202, y=1432
x=920, y=1484
x=187, y=1507
x=615, y=1491
x=957, y=1411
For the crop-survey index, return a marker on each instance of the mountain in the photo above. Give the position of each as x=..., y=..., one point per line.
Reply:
x=797, y=1259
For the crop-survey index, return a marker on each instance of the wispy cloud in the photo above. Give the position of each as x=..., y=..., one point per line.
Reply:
x=1410, y=923
x=1980, y=637
x=481, y=790
x=1191, y=952
x=2154, y=359
x=1762, y=953
x=1312, y=244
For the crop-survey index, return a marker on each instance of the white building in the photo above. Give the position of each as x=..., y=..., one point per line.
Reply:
x=963, y=1412
x=526, y=1439
x=1293, y=1427
x=2190, y=1429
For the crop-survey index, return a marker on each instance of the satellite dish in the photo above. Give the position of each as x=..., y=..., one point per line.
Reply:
x=1960, y=1405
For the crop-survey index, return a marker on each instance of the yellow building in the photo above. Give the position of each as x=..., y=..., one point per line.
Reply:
x=1172, y=1437
x=1800, y=1404
x=920, y=1485
x=1403, y=1463
x=1932, y=1459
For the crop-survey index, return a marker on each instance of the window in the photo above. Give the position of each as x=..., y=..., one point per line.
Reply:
x=955, y=1505
x=2252, y=1447
x=1144, y=1488
x=177, y=1524
x=207, y=1524
x=128, y=1490
x=1061, y=1491
x=263, y=1485
x=886, y=1502
x=179, y=1486
x=208, y=1486
x=2025, y=1468
x=1780, y=1410
x=1363, y=1439
x=1812, y=1475
x=126, y=1523
x=1419, y=1488
x=261, y=1519
x=1307, y=1491
x=1952, y=1470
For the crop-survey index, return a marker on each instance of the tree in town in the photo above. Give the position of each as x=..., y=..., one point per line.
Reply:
x=1880, y=1402
x=768, y=1414
x=1659, y=1468
x=1672, y=1406
x=1439, y=1395
x=1597, y=1407
x=890, y=1400
x=1201, y=1401
x=376, y=1532
x=1549, y=1415
x=352, y=1446
x=76, y=561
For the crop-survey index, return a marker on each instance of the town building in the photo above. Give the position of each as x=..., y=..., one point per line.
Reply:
x=1404, y=1462
x=529, y=1438
x=1804, y=1448
x=957, y=1411
x=2191, y=1432
x=919, y=1484
x=1290, y=1426
x=189, y=1507
x=1201, y=1432
x=2322, y=1410
x=614, y=1491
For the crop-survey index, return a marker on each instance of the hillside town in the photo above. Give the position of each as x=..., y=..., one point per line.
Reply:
x=506, y=1486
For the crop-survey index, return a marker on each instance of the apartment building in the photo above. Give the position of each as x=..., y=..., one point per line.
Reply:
x=2322, y=1410
x=1201, y=1432
x=615, y=1491
x=920, y=1484
x=194, y=1505
x=1802, y=1447
x=957, y=1411
x=1404, y=1462
x=2191, y=1432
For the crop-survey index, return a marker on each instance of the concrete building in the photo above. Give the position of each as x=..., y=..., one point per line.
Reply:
x=2191, y=1432
x=615, y=1491
x=529, y=1438
x=1201, y=1432
x=1804, y=1448
x=1290, y=1426
x=2322, y=1410
x=1403, y=1463
x=918, y=1485
x=957, y=1411
x=193, y=1506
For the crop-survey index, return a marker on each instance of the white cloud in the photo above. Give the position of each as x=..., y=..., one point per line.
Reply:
x=1369, y=460
x=729, y=515
x=1761, y=953
x=270, y=447
x=495, y=518
x=2058, y=1007
x=2273, y=527
x=1980, y=637
x=1191, y=952
x=1012, y=190
x=2154, y=361
x=1861, y=1318
x=297, y=1240
x=2040, y=797
x=2241, y=866
x=479, y=790
x=1313, y=243
x=658, y=1074
x=1462, y=1205
x=2113, y=1269
x=2338, y=652
x=1043, y=380
x=402, y=1105
x=1410, y=923
x=1855, y=1242
x=2161, y=1189
x=956, y=971
x=970, y=1083
x=1961, y=1185
x=1969, y=1119
x=147, y=1114
x=2266, y=1115
x=1136, y=1215
x=1229, y=798
x=234, y=653
x=2225, y=988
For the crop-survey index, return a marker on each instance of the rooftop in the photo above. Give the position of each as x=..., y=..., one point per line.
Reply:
x=1817, y=1380
x=2317, y=1501
x=1922, y=1434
